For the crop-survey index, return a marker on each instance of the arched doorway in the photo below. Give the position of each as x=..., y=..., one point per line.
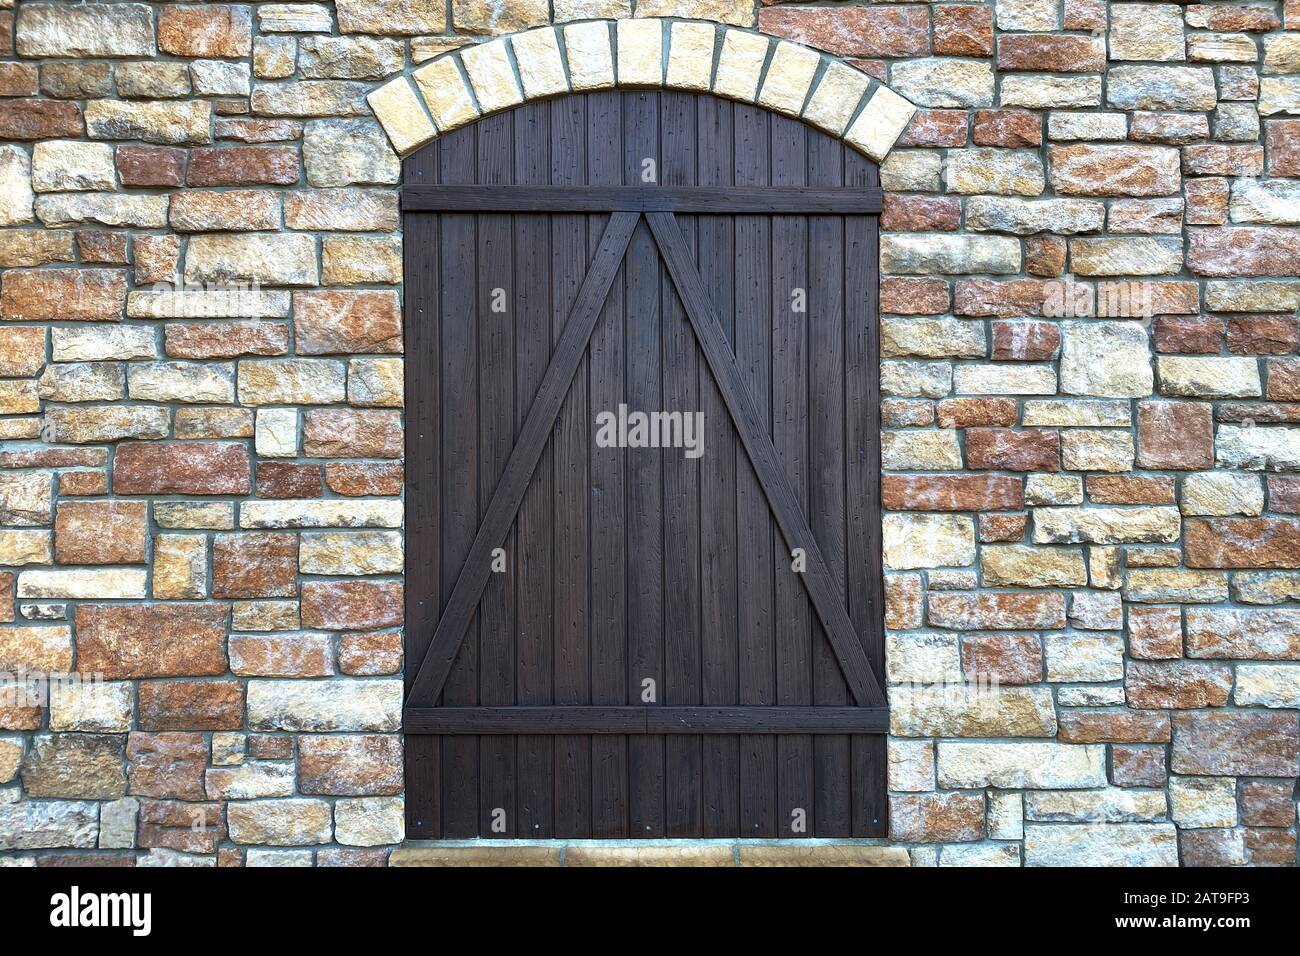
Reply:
x=644, y=589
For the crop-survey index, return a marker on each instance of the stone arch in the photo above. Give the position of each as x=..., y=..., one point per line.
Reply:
x=697, y=56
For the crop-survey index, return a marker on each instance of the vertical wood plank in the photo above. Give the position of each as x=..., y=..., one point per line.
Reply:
x=607, y=356
x=496, y=310
x=681, y=498
x=572, y=430
x=422, y=244
x=756, y=530
x=460, y=470
x=827, y=507
x=866, y=583
x=645, y=595
x=790, y=387
x=720, y=650
x=536, y=513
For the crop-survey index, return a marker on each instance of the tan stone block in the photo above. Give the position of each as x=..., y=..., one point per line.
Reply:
x=541, y=67
x=795, y=853
x=180, y=566
x=789, y=77
x=640, y=52
x=491, y=75
x=477, y=856
x=880, y=124
x=399, y=110
x=740, y=64
x=445, y=93
x=641, y=854
x=690, y=56
x=836, y=98
x=590, y=56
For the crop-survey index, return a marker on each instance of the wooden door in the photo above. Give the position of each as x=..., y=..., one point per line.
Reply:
x=607, y=638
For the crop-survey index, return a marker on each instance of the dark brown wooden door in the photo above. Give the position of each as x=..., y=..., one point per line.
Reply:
x=608, y=639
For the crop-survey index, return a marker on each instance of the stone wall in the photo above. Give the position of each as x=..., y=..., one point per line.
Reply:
x=1089, y=337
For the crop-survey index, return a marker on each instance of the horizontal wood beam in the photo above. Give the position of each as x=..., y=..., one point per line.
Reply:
x=646, y=720
x=722, y=200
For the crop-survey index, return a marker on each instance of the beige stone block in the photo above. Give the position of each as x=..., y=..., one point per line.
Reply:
x=486, y=855
x=492, y=76
x=640, y=52
x=642, y=854
x=800, y=853
x=880, y=124
x=690, y=56
x=180, y=566
x=789, y=77
x=591, y=59
x=541, y=67
x=836, y=98
x=402, y=115
x=740, y=64
x=445, y=93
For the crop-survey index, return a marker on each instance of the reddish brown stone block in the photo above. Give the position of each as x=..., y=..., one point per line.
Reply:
x=935, y=128
x=1008, y=298
x=6, y=596
x=966, y=412
x=1177, y=435
x=1189, y=334
x=40, y=119
x=1283, y=380
x=1282, y=142
x=1206, y=202
x=1054, y=53
x=18, y=79
x=1026, y=341
x=100, y=532
x=219, y=340
x=270, y=747
x=254, y=564
x=1263, y=334
x=913, y=296
x=1244, y=251
x=1271, y=847
x=962, y=30
x=352, y=433
x=920, y=214
x=852, y=31
x=182, y=468
x=370, y=655
x=351, y=605
x=151, y=640
x=282, y=479
x=1009, y=128
x=936, y=817
x=1131, y=489
x=1210, y=847
x=996, y=611
x=995, y=528
x=1113, y=727
x=1232, y=19
x=350, y=766
x=6, y=33
x=1242, y=542
x=167, y=765
x=330, y=856
x=1284, y=494
x=79, y=295
x=1085, y=14
x=183, y=827
x=359, y=479
x=205, y=30
x=1002, y=658
x=191, y=705
x=74, y=483
x=243, y=166
x=108, y=248
x=904, y=602
x=332, y=321
x=282, y=655
x=55, y=458
x=157, y=259
x=1267, y=803
x=951, y=493
x=1138, y=767
x=1007, y=450
x=1176, y=684
x=151, y=166
x=1236, y=743
x=22, y=350
x=1045, y=255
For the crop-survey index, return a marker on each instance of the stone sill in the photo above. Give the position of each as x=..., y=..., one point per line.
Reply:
x=648, y=853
